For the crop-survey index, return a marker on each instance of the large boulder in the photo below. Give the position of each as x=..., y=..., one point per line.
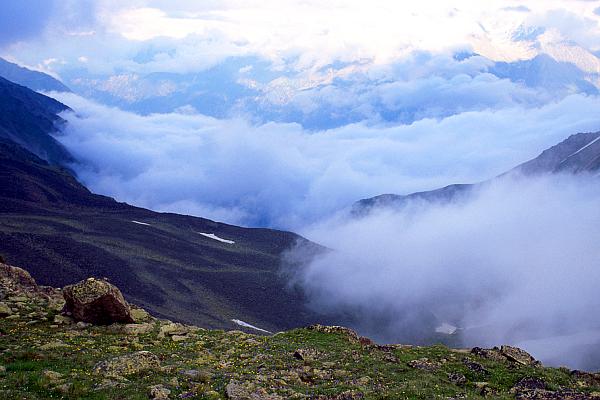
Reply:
x=17, y=277
x=96, y=301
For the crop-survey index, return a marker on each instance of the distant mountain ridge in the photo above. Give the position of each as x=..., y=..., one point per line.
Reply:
x=34, y=80
x=29, y=118
x=579, y=153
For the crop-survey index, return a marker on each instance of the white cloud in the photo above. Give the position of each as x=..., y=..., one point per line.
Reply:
x=281, y=175
x=300, y=33
x=516, y=264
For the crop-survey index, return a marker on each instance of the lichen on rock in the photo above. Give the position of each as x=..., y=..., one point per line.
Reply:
x=96, y=301
x=127, y=364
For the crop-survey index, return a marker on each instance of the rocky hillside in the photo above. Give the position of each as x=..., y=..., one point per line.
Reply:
x=86, y=342
x=29, y=119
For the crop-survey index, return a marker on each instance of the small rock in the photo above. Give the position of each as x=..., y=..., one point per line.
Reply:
x=346, y=332
x=139, y=315
x=364, y=381
x=83, y=325
x=64, y=388
x=529, y=383
x=306, y=354
x=18, y=299
x=57, y=344
x=51, y=376
x=365, y=341
x=457, y=379
x=389, y=357
x=5, y=310
x=490, y=354
x=133, y=329
x=487, y=391
x=475, y=367
x=248, y=391
x=2, y=369
x=63, y=320
x=171, y=329
x=424, y=364
x=159, y=392
x=109, y=384
x=588, y=378
x=179, y=338
x=127, y=364
x=347, y=395
x=197, y=375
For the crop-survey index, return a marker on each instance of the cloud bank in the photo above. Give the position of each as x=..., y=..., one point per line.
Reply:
x=281, y=175
x=143, y=36
x=516, y=264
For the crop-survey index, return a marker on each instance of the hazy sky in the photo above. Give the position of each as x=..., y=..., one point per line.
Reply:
x=188, y=35
x=363, y=98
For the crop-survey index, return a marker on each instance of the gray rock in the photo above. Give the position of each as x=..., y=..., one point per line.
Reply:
x=127, y=364
x=96, y=301
x=159, y=392
x=5, y=310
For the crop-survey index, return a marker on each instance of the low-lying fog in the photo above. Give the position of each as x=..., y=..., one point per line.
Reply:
x=518, y=263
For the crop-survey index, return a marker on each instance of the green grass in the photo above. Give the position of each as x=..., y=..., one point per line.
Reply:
x=167, y=267
x=339, y=365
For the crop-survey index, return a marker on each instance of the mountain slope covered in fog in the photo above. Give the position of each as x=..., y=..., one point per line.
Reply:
x=578, y=154
x=189, y=269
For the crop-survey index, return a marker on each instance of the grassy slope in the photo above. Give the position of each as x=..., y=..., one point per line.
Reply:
x=335, y=365
x=52, y=223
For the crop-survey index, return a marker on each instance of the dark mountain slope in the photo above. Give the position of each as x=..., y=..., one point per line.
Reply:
x=162, y=261
x=579, y=153
x=28, y=118
x=34, y=80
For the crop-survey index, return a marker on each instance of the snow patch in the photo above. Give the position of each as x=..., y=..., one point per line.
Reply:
x=247, y=325
x=446, y=329
x=215, y=237
x=581, y=149
x=586, y=146
x=140, y=223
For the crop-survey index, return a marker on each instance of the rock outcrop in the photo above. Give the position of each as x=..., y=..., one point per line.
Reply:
x=507, y=353
x=17, y=277
x=96, y=301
